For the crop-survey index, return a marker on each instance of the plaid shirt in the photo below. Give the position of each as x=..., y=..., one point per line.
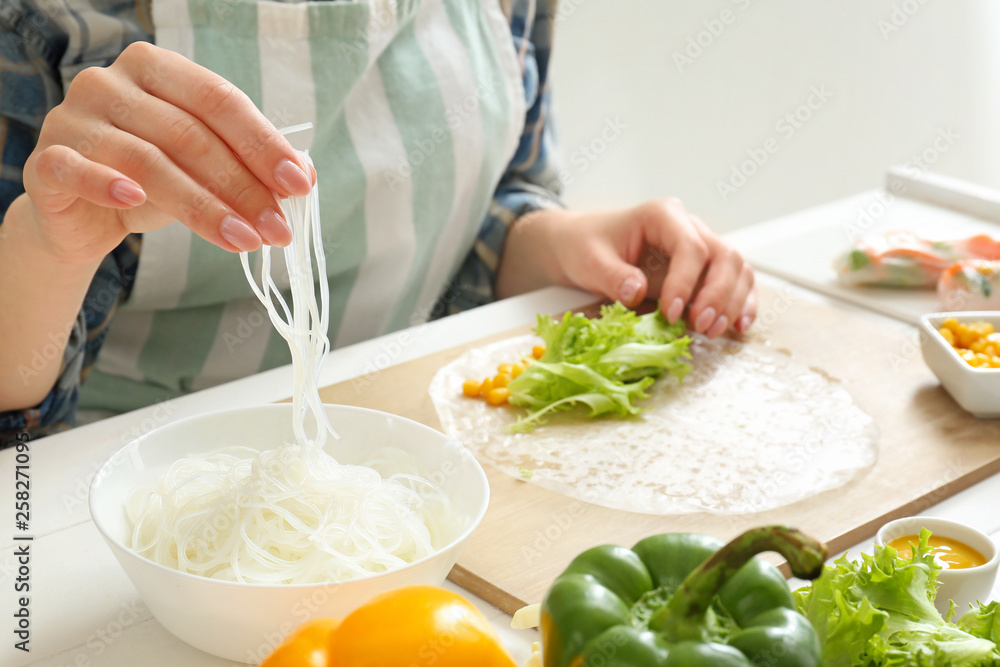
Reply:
x=44, y=45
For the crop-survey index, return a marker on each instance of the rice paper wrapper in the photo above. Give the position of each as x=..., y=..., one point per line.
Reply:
x=748, y=430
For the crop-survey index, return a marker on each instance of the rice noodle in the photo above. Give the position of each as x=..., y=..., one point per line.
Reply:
x=292, y=514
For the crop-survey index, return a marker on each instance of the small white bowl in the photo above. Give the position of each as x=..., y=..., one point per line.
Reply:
x=964, y=586
x=244, y=622
x=977, y=390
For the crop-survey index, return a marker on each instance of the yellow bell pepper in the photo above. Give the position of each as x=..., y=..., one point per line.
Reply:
x=307, y=646
x=414, y=626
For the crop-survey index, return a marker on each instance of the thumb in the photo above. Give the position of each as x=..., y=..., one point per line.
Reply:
x=608, y=274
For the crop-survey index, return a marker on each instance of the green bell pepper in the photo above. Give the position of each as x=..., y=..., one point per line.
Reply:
x=683, y=599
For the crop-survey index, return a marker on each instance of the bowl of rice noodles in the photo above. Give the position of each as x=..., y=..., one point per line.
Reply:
x=232, y=542
x=237, y=526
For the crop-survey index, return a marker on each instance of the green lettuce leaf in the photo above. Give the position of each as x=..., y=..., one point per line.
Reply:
x=879, y=611
x=983, y=622
x=603, y=365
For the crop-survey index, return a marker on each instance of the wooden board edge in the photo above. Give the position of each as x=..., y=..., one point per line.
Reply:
x=493, y=594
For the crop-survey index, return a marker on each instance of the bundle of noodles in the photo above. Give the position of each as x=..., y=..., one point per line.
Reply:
x=291, y=514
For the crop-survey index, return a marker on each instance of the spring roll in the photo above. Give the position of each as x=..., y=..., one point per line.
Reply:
x=904, y=259
x=972, y=284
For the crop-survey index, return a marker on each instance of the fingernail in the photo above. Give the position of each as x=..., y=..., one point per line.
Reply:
x=629, y=289
x=291, y=177
x=676, y=310
x=719, y=327
x=745, y=323
x=239, y=233
x=705, y=320
x=127, y=192
x=273, y=228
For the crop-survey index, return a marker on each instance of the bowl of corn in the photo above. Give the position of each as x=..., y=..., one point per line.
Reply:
x=963, y=351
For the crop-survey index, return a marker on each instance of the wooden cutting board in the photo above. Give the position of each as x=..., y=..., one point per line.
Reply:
x=929, y=449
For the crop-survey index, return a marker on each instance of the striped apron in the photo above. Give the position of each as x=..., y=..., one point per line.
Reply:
x=417, y=107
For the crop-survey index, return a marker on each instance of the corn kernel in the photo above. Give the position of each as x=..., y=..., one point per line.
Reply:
x=497, y=396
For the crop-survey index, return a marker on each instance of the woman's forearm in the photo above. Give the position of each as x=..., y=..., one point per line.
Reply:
x=40, y=298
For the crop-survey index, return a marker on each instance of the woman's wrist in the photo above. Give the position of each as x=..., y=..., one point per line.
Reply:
x=21, y=234
x=530, y=254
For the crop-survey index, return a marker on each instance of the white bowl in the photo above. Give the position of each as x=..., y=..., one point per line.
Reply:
x=243, y=622
x=977, y=390
x=964, y=586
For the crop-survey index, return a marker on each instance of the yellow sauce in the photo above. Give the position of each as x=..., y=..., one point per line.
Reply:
x=948, y=553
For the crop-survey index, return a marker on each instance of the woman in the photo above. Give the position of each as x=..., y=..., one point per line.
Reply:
x=433, y=146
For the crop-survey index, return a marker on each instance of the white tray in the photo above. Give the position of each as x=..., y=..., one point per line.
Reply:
x=801, y=247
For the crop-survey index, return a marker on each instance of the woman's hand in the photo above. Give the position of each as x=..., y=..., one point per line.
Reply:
x=656, y=250
x=152, y=139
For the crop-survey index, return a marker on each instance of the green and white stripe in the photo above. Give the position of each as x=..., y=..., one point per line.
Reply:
x=417, y=107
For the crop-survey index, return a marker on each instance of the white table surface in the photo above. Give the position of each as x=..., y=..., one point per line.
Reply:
x=85, y=612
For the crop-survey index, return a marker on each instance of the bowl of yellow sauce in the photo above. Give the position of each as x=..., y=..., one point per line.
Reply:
x=967, y=556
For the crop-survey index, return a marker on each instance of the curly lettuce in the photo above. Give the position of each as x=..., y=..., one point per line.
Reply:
x=604, y=364
x=879, y=611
